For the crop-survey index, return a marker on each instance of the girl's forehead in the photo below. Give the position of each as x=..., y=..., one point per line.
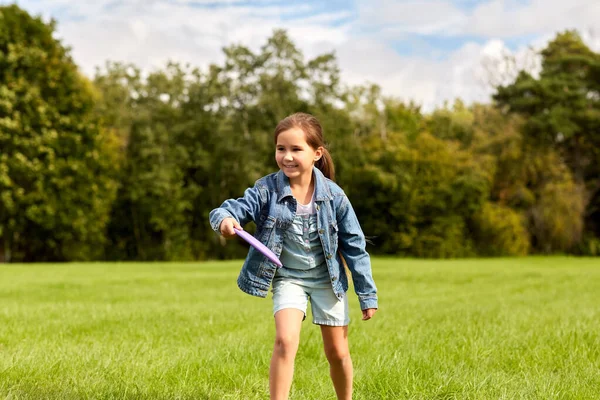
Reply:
x=292, y=136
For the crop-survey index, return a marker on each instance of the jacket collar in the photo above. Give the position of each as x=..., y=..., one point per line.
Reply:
x=322, y=191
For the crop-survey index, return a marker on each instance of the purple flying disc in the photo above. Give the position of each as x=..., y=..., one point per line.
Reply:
x=258, y=246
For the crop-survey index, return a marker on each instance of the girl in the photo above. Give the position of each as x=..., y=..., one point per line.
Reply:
x=308, y=222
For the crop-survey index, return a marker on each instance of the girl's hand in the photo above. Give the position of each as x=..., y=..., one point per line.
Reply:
x=368, y=313
x=227, y=226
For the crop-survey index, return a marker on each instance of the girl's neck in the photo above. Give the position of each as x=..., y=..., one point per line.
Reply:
x=303, y=189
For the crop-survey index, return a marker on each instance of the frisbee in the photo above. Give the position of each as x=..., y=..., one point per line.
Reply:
x=258, y=246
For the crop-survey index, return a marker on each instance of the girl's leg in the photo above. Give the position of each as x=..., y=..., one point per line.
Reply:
x=335, y=340
x=287, y=337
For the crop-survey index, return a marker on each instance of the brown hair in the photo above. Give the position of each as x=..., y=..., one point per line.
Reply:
x=314, y=137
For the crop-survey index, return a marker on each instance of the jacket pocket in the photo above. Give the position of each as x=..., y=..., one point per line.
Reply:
x=266, y=230
x=333, y=236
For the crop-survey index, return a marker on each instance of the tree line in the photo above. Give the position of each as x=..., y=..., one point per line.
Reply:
x=127, y=165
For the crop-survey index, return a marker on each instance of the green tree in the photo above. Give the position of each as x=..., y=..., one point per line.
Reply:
x=56, y=165
x=563, y=104
x=530, y=181
x=562, y=115
x=417, y=196
x=454, y=123
x=192, y=138
x=148, y=219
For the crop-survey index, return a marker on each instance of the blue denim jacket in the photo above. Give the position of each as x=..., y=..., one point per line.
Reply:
x=272, y=207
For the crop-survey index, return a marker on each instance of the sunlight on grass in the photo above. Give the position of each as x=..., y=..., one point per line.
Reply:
x=460, y=329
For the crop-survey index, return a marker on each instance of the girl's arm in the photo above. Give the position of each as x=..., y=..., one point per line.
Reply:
x=243, y=210
x=352, y=246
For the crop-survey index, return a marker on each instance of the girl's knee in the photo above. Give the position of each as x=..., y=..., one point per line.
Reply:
x=286, y=345
x=337, y=354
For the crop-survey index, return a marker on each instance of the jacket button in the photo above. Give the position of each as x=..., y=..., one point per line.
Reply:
x=321, y=231
x=328, y=256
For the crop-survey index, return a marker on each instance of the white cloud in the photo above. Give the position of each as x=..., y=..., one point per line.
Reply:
x=423, y=17
x=412, y=78
x=592, y=38
x=470, y=72
x=194, y=35
x=490, y=19
x=502, y=18
x=150, y=32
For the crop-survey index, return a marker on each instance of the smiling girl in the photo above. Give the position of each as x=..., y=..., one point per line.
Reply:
x=309, y=223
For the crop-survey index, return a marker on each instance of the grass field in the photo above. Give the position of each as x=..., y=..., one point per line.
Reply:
x=462, y=329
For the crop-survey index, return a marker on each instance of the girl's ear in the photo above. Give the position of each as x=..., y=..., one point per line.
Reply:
x=318, y=154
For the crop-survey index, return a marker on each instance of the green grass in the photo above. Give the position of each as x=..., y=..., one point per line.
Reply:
x=462, y=329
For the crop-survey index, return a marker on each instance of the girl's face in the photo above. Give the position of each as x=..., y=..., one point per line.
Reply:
x=294, y=156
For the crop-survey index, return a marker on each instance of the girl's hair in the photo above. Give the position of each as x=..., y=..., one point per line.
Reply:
x=314, y=137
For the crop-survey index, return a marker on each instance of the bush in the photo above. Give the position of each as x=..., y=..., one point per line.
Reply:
x=499, y=231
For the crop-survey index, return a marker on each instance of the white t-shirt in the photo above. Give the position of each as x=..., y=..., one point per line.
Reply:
x=307, y=209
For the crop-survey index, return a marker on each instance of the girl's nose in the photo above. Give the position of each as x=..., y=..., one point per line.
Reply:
x=287, y=157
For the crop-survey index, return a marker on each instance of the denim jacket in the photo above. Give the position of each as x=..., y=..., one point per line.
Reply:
x=270, y=204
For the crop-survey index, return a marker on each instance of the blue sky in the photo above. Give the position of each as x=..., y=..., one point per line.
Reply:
x=428, y=51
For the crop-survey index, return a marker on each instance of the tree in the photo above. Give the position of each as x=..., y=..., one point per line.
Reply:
x=56, y=164
x=563, y=104
x=415, y=196
x=148, y=219
x=454, y=124
x=562, y=115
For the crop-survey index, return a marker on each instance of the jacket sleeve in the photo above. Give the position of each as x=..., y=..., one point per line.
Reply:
x=352, y=246
x=244, y=209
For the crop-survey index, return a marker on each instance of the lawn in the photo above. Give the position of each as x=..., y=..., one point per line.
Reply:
x=526, y=328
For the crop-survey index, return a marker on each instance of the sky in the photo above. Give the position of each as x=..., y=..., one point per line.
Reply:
x=426, y=51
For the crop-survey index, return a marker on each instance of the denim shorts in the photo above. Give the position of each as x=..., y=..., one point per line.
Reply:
x=326, y=308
